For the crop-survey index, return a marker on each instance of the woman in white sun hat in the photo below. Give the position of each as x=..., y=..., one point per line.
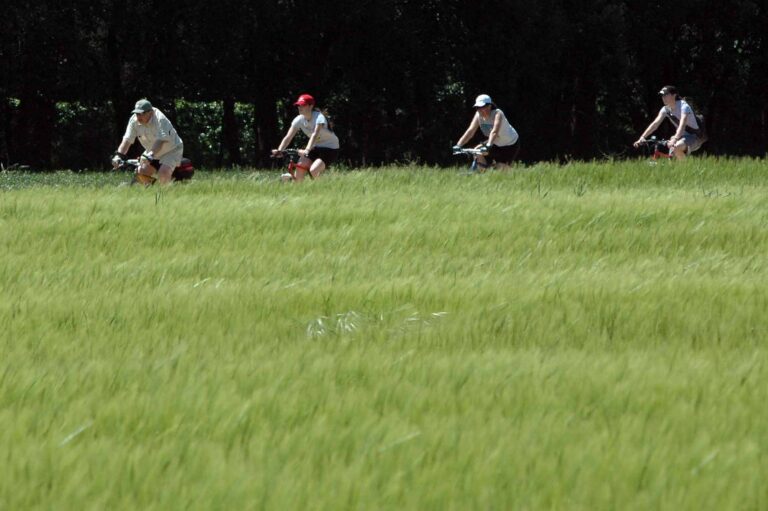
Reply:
x=502, y=140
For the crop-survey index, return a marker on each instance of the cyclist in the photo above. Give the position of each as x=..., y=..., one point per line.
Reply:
x=323, y=146
x=163, y=148
x=503, y=141
x=689, y=133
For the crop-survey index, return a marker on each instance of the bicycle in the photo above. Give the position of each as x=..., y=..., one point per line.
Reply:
x=474, y=152
x=293, y=164
x=659, y=147
x=183, y=172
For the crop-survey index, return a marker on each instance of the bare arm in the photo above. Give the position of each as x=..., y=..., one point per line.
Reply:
x=473, y=126
x=128, y=138
x=680, y=127
x=287, y=139
x=651, y=128
x=157, y=145
x=312, y=138
x=495, y=129
x=120, y=153
x=124, y=146
x=164, y=134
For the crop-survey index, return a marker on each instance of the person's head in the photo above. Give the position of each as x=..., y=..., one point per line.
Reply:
x=669, y=94
x=143, y=111
x=305, y=103
x=483, y=104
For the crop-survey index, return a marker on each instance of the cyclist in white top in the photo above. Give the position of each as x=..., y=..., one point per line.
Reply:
x=688, y=135
x=323, y=146
x=163, y=146
x=502, y=142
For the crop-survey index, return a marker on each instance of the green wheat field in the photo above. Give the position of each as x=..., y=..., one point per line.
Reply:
x=583, y=336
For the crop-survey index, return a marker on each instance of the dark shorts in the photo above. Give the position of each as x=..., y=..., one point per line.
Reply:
x=327, y=155
x=504, y=154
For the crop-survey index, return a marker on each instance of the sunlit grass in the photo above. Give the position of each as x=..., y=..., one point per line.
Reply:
x=587, y=336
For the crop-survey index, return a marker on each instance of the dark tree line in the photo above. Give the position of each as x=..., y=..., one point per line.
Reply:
x=577, y=78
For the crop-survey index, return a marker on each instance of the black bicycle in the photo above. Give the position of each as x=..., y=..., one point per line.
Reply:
x=656, y=149
x=183, y=172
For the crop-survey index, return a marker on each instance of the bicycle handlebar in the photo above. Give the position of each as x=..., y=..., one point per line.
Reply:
x=471, y=151
x=285, y=152
x=128, y=164
x=653, y=141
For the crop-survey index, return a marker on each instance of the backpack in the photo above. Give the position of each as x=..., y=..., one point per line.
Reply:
x=702, y=131
x=184, y=171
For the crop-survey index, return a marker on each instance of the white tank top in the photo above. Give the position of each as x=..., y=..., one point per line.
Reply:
x=507, y=134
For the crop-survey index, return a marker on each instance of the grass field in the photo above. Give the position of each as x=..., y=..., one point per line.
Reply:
x=588, y=336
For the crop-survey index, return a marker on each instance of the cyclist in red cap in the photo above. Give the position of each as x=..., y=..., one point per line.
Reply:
x=323, y=146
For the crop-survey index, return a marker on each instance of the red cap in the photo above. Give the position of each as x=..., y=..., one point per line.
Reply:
x=304, y=99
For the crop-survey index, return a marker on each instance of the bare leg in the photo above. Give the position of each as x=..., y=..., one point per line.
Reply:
x=318, y=166
x=301, y=168
x=679, y=150
x=145, y=173
x=165, y=174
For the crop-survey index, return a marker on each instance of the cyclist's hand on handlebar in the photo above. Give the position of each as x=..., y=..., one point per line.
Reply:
x=639, y=141
x=456, y=148
x=276, y=153
x=117, y=161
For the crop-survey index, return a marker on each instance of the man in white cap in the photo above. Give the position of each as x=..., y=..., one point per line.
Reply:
x=502, y=142
x=689, y=134
x=163, y=148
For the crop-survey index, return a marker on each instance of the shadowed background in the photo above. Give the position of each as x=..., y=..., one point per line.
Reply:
x=578, y=79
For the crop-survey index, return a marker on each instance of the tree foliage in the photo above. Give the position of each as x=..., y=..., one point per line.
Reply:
x=577, y=78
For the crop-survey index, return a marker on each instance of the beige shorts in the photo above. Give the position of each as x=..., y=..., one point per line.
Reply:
x=172, y=158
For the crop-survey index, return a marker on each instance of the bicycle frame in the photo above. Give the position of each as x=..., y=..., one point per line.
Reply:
x=293, y=162
x=131, y=165
x=660, y=149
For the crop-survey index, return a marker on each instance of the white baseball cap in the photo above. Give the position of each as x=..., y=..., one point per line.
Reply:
x=482, y=100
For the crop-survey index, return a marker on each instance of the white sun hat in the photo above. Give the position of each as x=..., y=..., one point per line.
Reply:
x=482, y=100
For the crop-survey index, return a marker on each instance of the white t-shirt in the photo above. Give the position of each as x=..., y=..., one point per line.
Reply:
x=676, y=113
x=158, y=128
x=507, y=134
x=325, y=137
